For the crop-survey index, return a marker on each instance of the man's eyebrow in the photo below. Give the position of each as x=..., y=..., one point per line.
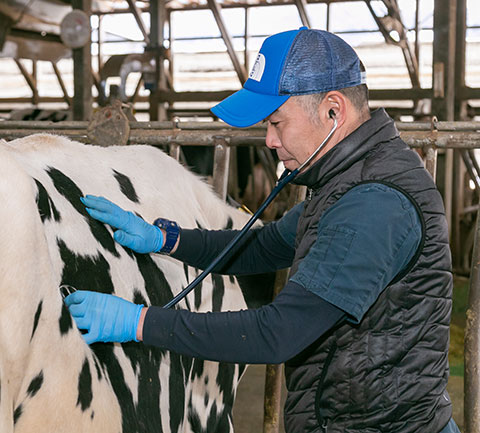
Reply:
x=277, y=111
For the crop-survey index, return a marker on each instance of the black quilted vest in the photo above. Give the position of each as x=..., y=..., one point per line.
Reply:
x=389, y=372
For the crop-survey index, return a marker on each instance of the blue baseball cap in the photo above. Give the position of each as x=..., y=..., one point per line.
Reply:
x=295, y=62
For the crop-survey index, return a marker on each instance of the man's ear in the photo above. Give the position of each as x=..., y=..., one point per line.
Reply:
x=335, y=107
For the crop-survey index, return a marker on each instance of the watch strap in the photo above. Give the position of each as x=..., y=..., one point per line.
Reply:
x=172, y=231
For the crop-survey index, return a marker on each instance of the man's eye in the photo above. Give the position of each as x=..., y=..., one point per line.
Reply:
x=273, y=123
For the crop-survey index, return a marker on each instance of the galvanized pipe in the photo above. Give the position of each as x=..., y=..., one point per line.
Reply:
x=419, y=127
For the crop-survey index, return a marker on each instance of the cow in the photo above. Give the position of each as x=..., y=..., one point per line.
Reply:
x=50, y=380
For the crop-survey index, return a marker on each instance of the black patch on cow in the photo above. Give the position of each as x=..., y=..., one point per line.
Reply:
x=205, y=399
x=65, y=322
x=176, y=385
x=85, y=395
x=257, y=289
x=35, y=384
x=45, y=205
x=216, y=423
x=85, y=272
x=225, y=379
x=92, y=415
x=218, y=292
x=36, y=318
x=197, y=368
x=229, y=225
x=17, y=413
x=198, y=295
x=241, y=369
x=194, y=419
x=199, y=226
x=72, y=193
x=185, y=270
x=97, y=367
x=126, y=186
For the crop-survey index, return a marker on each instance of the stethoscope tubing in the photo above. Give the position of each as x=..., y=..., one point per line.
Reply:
x=286, y=177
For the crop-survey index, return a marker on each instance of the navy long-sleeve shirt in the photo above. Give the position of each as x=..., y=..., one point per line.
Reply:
x=364, y=240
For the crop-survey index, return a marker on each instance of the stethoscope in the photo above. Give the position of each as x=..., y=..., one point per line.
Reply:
x=286, y=177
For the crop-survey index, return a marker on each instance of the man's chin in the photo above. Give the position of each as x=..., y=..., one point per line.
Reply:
x=290, y=164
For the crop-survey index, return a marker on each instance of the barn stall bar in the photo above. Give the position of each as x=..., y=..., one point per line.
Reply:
x=427, y=137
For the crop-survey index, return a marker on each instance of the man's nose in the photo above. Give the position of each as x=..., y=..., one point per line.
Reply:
x=271, y=140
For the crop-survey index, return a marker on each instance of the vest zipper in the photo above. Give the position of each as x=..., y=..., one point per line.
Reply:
x=324, y=426
x=309, y=194
x=318, y=395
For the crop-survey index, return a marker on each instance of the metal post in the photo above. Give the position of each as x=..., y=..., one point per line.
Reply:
x=431, y=160
x=460, y=109
x=444, y=23
x=472, y=343
x=175, y=151
x=443, y=101
x=157, y=21
x=245, y=38
x=82, y=72
x=221, y=162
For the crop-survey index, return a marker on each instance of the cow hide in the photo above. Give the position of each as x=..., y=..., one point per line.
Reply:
x=50, y=380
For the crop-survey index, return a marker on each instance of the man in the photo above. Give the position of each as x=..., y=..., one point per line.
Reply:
x=363, y=322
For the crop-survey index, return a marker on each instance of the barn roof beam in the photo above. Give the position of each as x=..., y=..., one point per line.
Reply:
x=393, y=31
x=302, y=11
x=61, y=83
x=30, y=79
x=137, y=14
x=239, y=68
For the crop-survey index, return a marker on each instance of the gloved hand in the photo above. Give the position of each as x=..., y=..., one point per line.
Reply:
x=107, y=318
x=133, y=232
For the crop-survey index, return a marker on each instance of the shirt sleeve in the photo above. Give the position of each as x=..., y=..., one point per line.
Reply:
x=264, y=249
x=268, y=335
x=364, y=240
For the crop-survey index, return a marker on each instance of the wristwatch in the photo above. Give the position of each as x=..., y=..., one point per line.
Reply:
x=172, y=231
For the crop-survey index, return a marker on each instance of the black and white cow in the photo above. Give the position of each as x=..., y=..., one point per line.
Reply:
x=50, y=380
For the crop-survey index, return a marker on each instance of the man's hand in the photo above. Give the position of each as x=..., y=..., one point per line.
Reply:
x=133, y=232
x=107, y=318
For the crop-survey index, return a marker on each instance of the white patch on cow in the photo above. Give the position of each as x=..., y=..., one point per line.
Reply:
x=31, y=271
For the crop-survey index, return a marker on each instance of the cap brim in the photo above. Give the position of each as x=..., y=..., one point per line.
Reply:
x=245, y=108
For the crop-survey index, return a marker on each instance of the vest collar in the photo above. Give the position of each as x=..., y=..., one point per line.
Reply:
x=380, y=127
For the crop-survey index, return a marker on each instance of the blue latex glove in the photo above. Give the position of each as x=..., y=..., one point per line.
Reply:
x=107, y=318
x=133, y=232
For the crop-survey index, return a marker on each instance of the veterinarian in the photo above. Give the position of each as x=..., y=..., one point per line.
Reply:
x=363, y=321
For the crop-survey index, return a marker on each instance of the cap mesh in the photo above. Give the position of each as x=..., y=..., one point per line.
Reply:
x=318, y=62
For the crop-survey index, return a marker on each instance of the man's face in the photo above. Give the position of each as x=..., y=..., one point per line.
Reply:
x=293, y=134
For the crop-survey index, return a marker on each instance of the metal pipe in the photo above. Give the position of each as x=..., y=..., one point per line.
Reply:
x=239, y=68
x=61, y=83
x=137, y=14
x=472, y=342
x=421, y=130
